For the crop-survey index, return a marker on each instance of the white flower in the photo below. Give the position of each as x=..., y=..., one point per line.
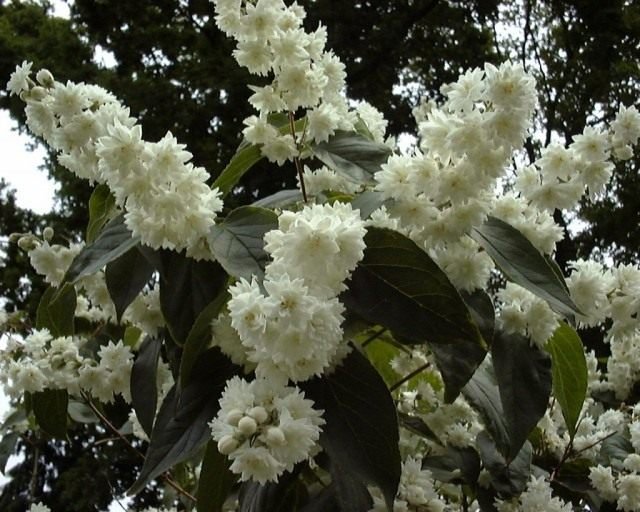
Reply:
x=603, y=481
x=19, y=80
x=629, y=493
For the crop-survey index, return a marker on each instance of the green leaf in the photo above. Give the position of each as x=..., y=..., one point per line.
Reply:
x=81, y=412
x=186, y=288
x=614, y=450
x=509, y=478
x=182, y=424
x=352, y=155
x=523, y=264
x=455, y=465
x=569, y=372
x=380, y=354
x=417, y=426
x=126, y=276
x=361, y=433
x=245, y=158
x=523, y=373
x=482, y=393
x=7, y=448
x=114, y=240
x=144, y=389
x=56, y=310
x=102, y=204
x=50, y=409
x=482, y=313
x=280, y=199
x=457, y=363
x=237, y=241
x=285, y=495
x=200, y=336
x=397, y=285
x=368, y=202
x=215, y=482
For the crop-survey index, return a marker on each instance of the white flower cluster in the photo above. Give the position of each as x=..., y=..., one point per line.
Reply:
x=271, y=40
x=290, y=324
x=416, y=491
x=537, y=497
x=265, y=429
x=43, y=362
x=40, y=507
x=166, y=198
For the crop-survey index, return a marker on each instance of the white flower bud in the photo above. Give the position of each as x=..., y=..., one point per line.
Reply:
x=45, y=78
x=26, y=243
x=234, y=416
x=227, y=445
x=37, y=93
x=247, y=426
x=275, y=436
x=259, y=414
x=47, y=233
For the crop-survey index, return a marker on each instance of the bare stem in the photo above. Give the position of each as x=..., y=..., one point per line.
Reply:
x=409, y=376
x=296, y=159
x=373, y=337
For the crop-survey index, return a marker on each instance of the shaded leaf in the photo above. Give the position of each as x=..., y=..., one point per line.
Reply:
x=482, y=313
x=56, y=310
x=456, y=465
x=280, y=199
x=215, y=481
x=352, y=155
x=614, y=450
x=569, y=372
x=417, y=426
x=237, y=241
x=507, y=478
x=102, y=204
x=181, y=427
x=245, y=158
x=285, y=495
x=361, y=433
x=144, y=388
x=113, y=241
x=368, y=202
x=81, y=412
x=523, y=373
x=7, y=448
x=50, y=409
x=523, y=264
x=126, y=276
x=457, y=363
x=398, y=286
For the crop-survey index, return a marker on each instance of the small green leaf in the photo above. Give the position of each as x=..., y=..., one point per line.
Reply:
x=182, y=425
x=242, y=161
x=144, y=390
x=215, y=482
x=352, y=155
x=397, y=285
x=102, y=205
x=50, y=409
x=361, y=433
x=523, y=264
x=56, y=310
x=114, y=240
x=523, y=373
x=570, y=374
x=237, y=241
x=126, y=276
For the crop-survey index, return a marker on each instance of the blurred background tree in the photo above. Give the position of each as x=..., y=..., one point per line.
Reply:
x=169, y=63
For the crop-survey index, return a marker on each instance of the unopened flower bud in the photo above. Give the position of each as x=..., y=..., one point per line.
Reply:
x=37, y=93
x=26, y=243
x=234, y=416
x=275, y=436
x=227, y=445
x=45, y=78
x=259, y=414
x=247, y=426
x=47, y=233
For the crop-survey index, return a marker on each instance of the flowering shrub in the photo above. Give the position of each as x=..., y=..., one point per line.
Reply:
x=337, y=347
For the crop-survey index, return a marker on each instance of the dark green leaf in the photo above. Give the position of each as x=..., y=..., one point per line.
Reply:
x=483, y=394
x=56, y=310
x=457, y=465
x=285, y=495
x=102, y=204
x=368, y=202
x=352, y=155
x=280, y=199
x=114, y=240
x=7, y=448
x=523, y=373
x=417, y=426
x=523, y=264
x=482, y=313
x=200, y=336
x=50, y=409
x=507, y=478
x=144, y=389
x=81, y=412
x=182, y=424
x=126, y=276
x=570, y=373
x=241, y=162
x=398, y=286
x=237, y=241
x=186, y=288
x=215, y=482
x=361, y=433
x=457, y=363
x=352, y=494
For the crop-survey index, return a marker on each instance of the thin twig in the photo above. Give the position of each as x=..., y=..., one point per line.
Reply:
x=409, y=377
x=373, y=337
x=34, y=474
x=296, y=159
